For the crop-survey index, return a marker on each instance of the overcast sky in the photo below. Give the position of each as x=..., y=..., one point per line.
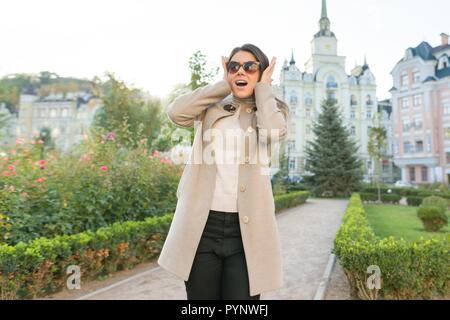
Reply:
x=148, y=43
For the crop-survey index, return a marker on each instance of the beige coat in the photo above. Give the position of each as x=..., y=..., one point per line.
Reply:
x=255, y=200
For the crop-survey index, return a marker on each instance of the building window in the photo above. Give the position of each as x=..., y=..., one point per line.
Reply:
x=404, y=80
x=418, y=122
x=352, y=114
x=331, y=94
x=407, y=147
x=292, y=164
x=447, y=154
x=405, y=103
x=353, y=130
x=417, y=100
x=65, y=113
x=293, y=100
x=331, y=83
x=424, y=173
x=369, y=101
x=416, y=77
x=369, y=114
x=419, y=146
x=52, y=113
x=446, y=107
x=353, y=101
x=447, y=133
x=308, y=99
x=412, y=174
x=405, y=125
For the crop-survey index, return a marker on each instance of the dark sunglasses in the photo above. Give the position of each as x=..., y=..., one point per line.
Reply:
x=249, y=67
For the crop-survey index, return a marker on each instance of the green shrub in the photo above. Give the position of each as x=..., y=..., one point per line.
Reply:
x=290, y=200
x=39, y=267
x=391, y=198
x=414, y=201
x=433, y=217
x=369, y=197
x=408, y=270
x=435, y=201
x=424, y=194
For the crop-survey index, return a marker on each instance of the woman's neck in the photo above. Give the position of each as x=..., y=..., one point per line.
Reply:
x=248, y=100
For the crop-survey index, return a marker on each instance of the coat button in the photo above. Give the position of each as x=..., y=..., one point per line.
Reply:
x=247, y=159
x=245, y=219
x=250, y=129
x=249, y=110
x=242, y=188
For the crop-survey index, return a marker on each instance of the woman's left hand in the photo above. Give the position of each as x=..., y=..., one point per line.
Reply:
x=267, y=74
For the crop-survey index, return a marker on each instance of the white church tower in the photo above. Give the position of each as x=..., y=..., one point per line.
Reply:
x=324, y=76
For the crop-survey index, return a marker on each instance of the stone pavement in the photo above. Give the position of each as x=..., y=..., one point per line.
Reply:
x=307, y=233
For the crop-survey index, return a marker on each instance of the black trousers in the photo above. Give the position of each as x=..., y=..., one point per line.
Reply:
x=219, y=271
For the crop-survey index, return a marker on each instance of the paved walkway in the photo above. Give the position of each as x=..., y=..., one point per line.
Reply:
x=307, y=233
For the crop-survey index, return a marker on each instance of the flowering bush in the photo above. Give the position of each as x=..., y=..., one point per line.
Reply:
x=96, y=184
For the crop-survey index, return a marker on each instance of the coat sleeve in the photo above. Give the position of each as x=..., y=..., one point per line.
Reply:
x=270, y=114
x=185, y=108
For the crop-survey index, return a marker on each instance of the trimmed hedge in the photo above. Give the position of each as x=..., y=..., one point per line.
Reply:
x=38, y=268
x=383, y=190
x=414, y=201
x=290, y=200
x=408, y=270
x=385, y=198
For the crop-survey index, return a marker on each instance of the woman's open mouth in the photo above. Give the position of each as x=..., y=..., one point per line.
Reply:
x=241, y=83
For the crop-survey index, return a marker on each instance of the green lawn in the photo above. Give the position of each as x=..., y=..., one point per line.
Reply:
x=398, y=221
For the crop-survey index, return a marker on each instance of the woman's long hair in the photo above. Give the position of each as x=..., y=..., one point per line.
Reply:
x=261, y=57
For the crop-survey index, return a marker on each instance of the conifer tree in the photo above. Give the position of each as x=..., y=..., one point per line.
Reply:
x=332, y=157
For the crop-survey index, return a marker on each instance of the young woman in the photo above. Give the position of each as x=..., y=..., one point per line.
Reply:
x=223, y=240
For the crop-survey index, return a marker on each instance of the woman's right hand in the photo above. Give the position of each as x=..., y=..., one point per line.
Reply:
x=224, y=65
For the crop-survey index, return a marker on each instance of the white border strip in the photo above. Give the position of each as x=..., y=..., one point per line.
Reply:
x=114, y=285
x=321, y=290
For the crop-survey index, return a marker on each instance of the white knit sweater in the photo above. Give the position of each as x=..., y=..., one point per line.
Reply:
x=227, y=144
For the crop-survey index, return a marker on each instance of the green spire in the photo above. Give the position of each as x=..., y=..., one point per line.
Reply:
x=324, y=9
x=324, y=22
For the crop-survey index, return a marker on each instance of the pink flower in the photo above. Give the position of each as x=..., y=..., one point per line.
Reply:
x=6, y=173
x=85, y=157
x=111, y=136
x=104, y=168
x=165, y=161
x=41, y=141
x=13, y=151
x=41, y=162
x=19, y=141
x=11, y=168
x=40, y=180
x=156, y=153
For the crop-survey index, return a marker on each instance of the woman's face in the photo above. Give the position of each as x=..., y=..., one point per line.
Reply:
x=243, y=91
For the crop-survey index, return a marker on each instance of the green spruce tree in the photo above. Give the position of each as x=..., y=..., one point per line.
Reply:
x=332, y=158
